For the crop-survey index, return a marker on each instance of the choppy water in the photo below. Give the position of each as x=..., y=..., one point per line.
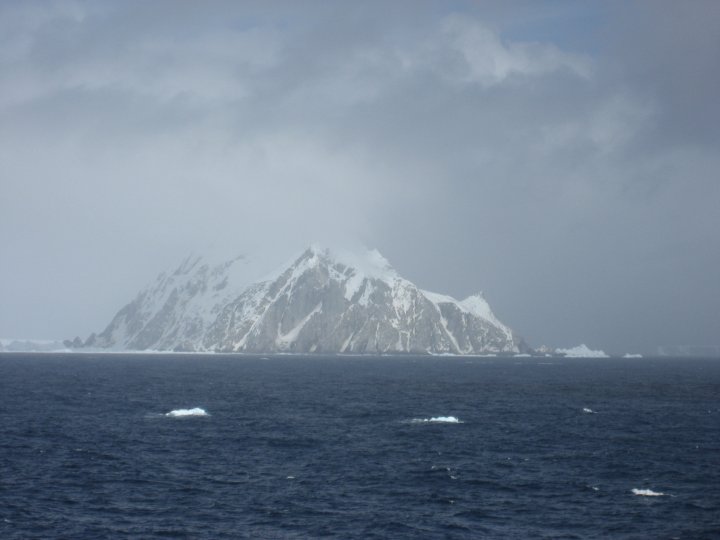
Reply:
x=358, y=447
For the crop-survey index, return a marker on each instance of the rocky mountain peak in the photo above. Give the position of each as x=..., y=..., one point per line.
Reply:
x=325, y=301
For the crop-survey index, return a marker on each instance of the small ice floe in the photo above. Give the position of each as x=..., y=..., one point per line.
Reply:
x=197, y=411
x=647, y=492
x=588, y=410
x=438, y=420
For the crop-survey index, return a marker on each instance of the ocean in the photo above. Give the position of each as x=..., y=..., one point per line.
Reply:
x=357, y=447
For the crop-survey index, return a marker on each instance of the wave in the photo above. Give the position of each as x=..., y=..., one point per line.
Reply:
x=438, y=420
x=197, y=411
x=647, y=492
x=587, y=410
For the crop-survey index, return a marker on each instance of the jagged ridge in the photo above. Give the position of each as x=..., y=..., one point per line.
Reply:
x=324, y=302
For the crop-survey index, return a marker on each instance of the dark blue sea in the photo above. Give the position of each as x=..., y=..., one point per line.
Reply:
x=312, y=447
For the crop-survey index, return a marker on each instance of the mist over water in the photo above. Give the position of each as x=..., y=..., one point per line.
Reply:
x=298, y=447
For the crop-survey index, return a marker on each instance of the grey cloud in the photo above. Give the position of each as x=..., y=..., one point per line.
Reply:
x=668, y=52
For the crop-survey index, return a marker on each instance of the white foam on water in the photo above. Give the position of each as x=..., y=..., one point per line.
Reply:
x=647, y=492
x=438, y=420
x=197, y=411
x=589, y=411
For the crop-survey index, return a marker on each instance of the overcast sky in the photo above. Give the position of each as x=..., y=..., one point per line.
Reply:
x=562, y=157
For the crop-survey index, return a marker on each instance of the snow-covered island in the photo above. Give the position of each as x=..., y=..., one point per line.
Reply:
x=323, y=302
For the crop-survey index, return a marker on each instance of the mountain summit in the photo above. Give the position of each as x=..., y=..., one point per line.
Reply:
x=324, y=302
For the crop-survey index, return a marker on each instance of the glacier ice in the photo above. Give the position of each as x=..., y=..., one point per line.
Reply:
x=582, y=351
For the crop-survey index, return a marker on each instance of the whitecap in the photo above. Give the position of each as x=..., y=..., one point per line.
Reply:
x=439, y=420
x=587, y=410
x=197, y=411
x=647, y=492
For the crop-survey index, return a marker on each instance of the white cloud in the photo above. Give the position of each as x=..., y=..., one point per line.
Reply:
x=489, y=61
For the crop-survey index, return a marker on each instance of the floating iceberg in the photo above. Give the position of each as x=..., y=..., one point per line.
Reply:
x=439, y=420
x=197, y=411
x=647, y=493
x=582, y=351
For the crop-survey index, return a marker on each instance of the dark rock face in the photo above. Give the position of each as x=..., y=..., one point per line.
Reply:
x=321, y=303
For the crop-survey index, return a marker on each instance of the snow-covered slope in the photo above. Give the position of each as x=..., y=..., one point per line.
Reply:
x=325, y=302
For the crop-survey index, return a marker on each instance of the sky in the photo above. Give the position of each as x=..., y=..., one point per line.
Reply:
x=560, y=156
